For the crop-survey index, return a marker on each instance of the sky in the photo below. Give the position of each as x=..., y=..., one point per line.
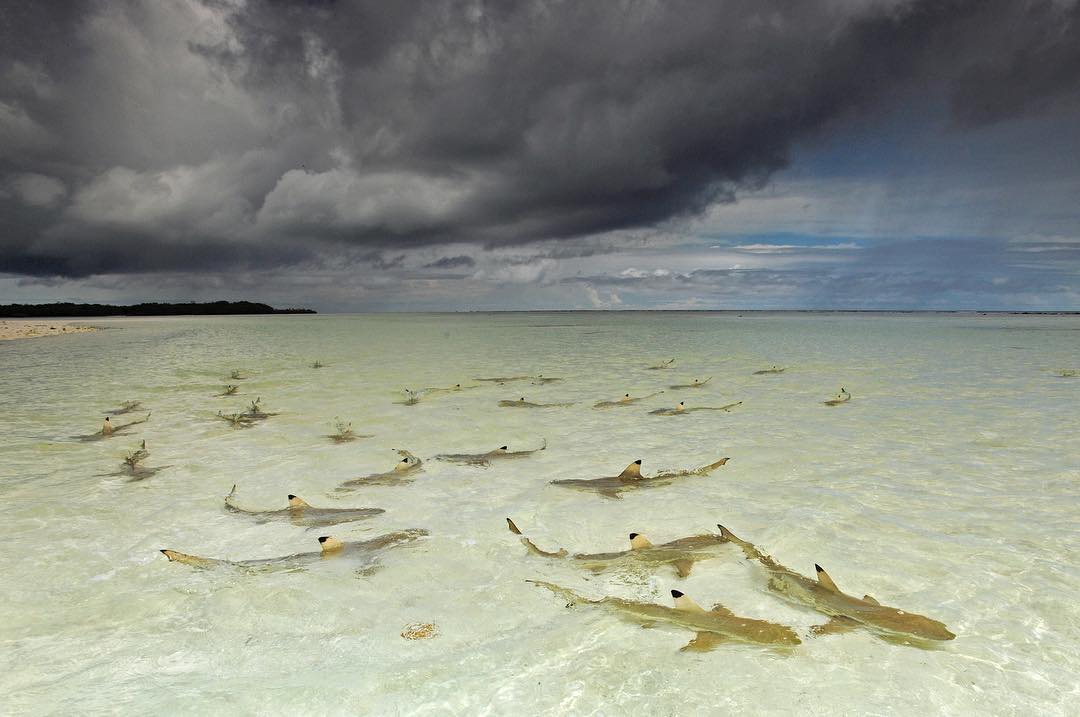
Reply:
x=627, y=154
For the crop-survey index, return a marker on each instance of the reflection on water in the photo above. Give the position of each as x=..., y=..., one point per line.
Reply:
x=946, y=486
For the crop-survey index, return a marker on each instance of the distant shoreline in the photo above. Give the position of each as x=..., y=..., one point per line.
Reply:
x=72, y=310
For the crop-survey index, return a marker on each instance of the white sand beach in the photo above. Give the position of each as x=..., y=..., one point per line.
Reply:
x=33, y=328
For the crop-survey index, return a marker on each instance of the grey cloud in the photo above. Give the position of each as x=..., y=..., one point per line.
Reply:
x=452, y=262
x=191, y=135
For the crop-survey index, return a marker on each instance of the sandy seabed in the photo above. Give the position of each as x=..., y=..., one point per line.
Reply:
x=30, y=329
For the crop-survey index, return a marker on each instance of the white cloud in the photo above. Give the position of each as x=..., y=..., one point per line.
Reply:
x=597, y=301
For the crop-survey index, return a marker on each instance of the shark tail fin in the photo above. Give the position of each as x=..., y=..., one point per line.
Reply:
x=705, y=470
x=192, y=560
x=824, y=579
x=870, y=599
x=749, y=549
x=531, y=546
x=230, y=499
x=721, y=610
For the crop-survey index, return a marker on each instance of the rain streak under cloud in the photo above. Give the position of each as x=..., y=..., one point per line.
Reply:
x=478, y=155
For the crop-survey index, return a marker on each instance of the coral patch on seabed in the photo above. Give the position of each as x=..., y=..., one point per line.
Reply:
x=420, y=631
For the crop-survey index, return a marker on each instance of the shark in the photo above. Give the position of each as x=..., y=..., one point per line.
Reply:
x=522, y=403
x=330, y=547
x=670, y=363
x=696, y=383
x=448, y=389
x=248, y=418
x=404, y=471
x=503, y=379
x=626, y=400
x=765, y=371
x=132, y=468
x=485, y=459
x=411, y=397
x=299, y=512
x=631, y=479
x=541, y=379
x=108, y=430
x=125, y=407
x=842, y=397
x=681, y=409
x=681, y=554
x=713, y=627
x=845, y=612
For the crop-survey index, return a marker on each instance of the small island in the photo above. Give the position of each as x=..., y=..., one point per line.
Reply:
x=210, y=308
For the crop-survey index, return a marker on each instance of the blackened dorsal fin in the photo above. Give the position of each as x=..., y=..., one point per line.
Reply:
x=825, y=580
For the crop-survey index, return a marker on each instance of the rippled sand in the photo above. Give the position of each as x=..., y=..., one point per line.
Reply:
x=947, y=486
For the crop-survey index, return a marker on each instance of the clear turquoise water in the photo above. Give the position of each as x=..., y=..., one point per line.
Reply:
x=947, y=487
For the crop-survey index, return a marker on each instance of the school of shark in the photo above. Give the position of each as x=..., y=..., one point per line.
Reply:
x=671, y=559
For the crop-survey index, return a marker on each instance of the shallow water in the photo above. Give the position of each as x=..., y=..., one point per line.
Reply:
x=946, y=487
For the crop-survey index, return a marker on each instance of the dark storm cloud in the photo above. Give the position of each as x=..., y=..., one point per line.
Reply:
x=188, y=136
x=452, y=262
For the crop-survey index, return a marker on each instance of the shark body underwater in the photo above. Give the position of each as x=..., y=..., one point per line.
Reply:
x=522, y=403
x=846, y=612
x=681, y=554
x=842, y=397
x=712, y=627
x=485, y=459
x=682, y=410
x=331, y=548
x=693, y=384
x=403, y=472
x=300, y=513
x=631, y=479
x=108, y=430
x=626, y=400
